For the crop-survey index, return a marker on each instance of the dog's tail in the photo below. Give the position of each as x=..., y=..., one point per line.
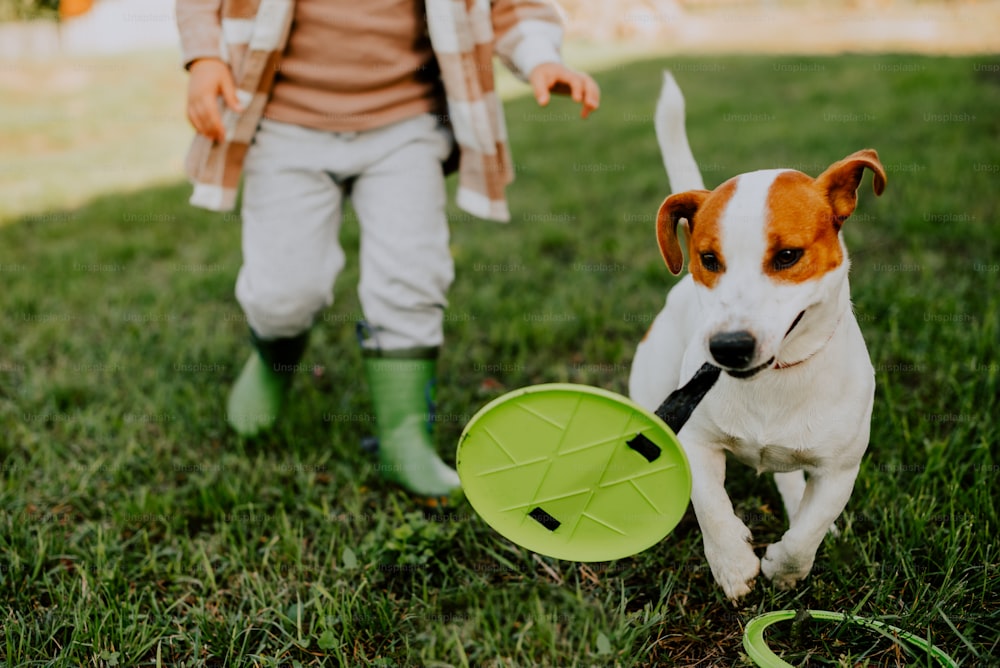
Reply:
x=682, y=170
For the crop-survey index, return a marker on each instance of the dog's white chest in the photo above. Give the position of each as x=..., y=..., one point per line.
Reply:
x=773, y=427
x=770, y=457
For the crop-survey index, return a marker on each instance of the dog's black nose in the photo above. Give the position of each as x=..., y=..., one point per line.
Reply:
x=733, y=350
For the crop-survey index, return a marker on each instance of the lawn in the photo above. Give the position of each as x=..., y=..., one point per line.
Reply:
x=135, y=529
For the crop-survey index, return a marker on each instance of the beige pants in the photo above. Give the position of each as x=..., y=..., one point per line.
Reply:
x=296, y=179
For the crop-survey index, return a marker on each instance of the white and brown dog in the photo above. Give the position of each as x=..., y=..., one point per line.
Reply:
x=767, y=301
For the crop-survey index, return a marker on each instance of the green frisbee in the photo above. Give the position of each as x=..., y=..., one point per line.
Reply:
x=761, y=654
x=574, y=472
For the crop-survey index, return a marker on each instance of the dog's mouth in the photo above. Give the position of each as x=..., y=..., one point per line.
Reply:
x=743, y=374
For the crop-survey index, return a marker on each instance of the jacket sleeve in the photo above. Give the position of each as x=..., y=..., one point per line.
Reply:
x=199, y=23
x=526, y=33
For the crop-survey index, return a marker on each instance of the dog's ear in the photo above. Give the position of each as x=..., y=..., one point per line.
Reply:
x=841, y=179
x=674, y=208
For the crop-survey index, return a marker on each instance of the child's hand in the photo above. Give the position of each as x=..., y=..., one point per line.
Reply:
x=210, y=77
x=561, y=80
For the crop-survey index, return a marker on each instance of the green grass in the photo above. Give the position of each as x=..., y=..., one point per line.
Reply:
x=136, y=530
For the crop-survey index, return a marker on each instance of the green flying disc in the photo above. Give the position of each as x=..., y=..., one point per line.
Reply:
x=574, y=472
x=761, y=654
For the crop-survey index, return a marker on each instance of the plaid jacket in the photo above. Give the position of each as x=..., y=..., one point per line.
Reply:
x=464, y=34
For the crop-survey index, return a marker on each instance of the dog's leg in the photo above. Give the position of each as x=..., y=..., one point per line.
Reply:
x=791, y=485
x=826, y=494
x=727, y=540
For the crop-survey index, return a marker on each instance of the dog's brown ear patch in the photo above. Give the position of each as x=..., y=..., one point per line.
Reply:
x=799, y=218
x=841, y=179
x=674, y=208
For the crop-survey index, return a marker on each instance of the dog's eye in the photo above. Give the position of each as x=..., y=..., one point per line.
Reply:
x=786, y=258
x=711, y=263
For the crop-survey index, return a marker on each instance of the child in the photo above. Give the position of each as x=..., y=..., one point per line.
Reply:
x=325, y=99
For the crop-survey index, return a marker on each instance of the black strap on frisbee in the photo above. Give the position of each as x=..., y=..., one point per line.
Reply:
x=644, y=447
x=678, y=407
x=544, y=519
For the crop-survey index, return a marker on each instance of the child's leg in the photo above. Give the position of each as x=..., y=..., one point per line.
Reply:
x=406, y=264
x=291, y=256
x=406, y=270
x=291, y=221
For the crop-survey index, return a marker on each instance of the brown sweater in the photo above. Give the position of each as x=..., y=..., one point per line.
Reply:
x=350, y=65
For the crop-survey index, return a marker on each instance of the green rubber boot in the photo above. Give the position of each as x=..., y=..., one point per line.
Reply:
x=402, y=384
x=259, y=393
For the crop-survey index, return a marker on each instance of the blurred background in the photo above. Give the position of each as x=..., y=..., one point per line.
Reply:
x=82, y=76
x=43, y=28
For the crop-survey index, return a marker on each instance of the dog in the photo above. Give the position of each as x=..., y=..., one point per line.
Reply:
x=767, y=301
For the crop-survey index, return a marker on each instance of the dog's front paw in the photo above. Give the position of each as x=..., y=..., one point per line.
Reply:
x=734, y=567
x=783, y=568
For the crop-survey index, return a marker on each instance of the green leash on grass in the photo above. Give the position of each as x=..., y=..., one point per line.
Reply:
x=761, y=654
